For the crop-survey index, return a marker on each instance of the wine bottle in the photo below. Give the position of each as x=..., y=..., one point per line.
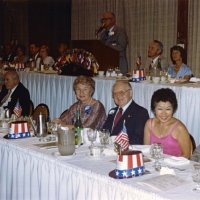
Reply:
x=159, y=68
x=78, y=128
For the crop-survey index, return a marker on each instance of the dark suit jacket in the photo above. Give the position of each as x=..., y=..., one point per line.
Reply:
x=135, y=118
x=21, y=94
x=117, y=41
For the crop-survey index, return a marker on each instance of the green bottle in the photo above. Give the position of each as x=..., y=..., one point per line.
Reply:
x=159, y=68
x=78, y=128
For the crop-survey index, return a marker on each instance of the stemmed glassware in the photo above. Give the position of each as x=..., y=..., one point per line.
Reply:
x=196, y=176
x=92, y=135
x=52, y=127
x=156, y=152
x=104, y=136
x=110, y=70
x=117, y=71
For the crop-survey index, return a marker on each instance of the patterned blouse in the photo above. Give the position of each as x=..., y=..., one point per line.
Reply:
x=92, y=116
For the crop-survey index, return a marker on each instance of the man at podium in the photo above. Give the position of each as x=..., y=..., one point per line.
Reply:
x=114, y=37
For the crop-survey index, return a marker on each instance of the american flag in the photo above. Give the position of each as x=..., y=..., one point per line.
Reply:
x=17, y=109
x=122, y=139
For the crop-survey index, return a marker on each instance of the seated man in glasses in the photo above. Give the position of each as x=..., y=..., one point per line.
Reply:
x=127, y=112
x=14, y=94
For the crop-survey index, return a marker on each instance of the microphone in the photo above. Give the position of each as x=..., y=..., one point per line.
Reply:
x=100, y=29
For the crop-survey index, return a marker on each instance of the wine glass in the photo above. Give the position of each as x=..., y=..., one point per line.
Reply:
x=196, y=176
x=110, y=70
x=52, y=127
x=156, y=152
x=117, y=70
x=104, y=136
x=92, y=135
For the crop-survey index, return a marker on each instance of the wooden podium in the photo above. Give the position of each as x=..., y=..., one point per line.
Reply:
x=105, y=56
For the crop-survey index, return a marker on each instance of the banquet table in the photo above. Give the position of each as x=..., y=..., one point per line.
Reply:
x=57, y=92
x=31, y=172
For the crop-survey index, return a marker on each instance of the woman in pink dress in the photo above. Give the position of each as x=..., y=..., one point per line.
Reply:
x=165, y=129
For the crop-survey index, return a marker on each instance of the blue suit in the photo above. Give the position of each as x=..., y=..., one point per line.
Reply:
x=135, y=118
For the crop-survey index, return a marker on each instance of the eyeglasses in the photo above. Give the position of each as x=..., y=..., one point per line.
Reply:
x=120, y=93
x=105, y=19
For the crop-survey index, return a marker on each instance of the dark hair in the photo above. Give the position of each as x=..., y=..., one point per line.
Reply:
x=164, y=95
x=22, y=47
x=182, y=52
x=160, y=46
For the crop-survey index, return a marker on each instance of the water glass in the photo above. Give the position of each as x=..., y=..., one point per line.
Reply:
x=156, y=152
x=196, y=176
x=52, y=127
x=104, y=136
x=92, y=136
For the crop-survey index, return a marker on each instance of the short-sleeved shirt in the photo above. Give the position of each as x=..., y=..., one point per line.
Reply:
x=183, y=71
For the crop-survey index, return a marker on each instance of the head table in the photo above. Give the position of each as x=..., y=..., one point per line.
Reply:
x=57, y=92
x=30, y=172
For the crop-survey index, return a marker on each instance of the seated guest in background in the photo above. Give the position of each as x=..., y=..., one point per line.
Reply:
x=34, y=55
x=179, y=69
x=12, y=91
x=165, y=129
x=20, y=54
x=155, y=52
x=114, y=37
x=128, y=112
x=34, y=51
x=61, y=60
x=92, y=111
x=45, y=58
x=8, y=53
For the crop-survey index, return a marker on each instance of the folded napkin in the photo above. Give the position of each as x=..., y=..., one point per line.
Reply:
x=194, y=79
x=176, y=161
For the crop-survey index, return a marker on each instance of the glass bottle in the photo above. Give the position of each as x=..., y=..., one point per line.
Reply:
x=159, y=68
x=138, y=62
x=78, y=128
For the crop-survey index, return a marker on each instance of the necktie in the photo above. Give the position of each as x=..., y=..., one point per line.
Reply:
x=5, y=98
x=117, y=117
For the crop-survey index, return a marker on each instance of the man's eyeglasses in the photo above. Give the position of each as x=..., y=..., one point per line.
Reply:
x=120, y=93
x=105, y=19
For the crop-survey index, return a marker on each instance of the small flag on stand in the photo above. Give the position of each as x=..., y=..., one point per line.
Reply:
x=17, y=109
x=122, y=139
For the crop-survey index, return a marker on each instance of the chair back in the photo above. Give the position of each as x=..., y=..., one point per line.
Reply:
x=31, y=108
x=43, y=109
x=193, y=143
x=63, y=113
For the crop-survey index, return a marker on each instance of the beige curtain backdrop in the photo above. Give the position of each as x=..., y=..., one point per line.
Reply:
x=194, y=37
x=144, y=20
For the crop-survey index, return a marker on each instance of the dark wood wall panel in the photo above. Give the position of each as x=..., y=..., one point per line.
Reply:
x=182, y=22
x=50, y=22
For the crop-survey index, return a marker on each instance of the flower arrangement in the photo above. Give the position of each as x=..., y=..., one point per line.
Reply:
x=83, y=58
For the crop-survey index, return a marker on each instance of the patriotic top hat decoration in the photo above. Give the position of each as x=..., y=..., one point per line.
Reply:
x=129, y=163
x=19, y=129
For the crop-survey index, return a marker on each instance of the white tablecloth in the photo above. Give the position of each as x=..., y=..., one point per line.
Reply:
x=29, y=172
x=57, y=92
